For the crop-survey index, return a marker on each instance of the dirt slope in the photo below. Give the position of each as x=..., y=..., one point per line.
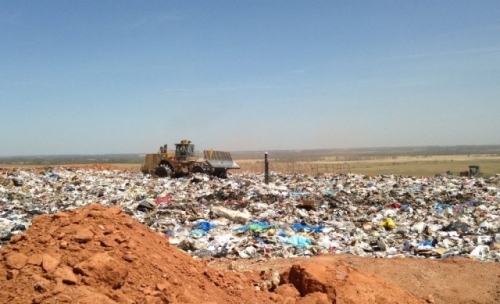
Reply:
x=457, y=280
x=95, y=254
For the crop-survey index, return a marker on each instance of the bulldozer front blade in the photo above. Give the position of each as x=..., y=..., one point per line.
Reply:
x=220, y=159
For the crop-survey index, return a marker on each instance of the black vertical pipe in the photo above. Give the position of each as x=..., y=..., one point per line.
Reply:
x=266, y=169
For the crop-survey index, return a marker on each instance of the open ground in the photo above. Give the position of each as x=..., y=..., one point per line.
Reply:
x=424, y=165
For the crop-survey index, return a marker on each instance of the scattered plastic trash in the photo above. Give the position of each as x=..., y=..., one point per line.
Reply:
x=388, y=224
x=299, y=241
x=206, y=226
x=294, y=215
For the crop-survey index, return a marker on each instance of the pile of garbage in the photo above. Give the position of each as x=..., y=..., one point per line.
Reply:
x=294, y=215
x=95, y=254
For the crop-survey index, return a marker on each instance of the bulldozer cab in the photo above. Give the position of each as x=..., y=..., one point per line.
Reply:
x=184, y=150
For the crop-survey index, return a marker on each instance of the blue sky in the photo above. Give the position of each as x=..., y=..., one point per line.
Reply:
x=95, y=77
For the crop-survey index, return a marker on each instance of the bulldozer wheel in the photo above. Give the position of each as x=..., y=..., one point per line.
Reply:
x=201, y=168
x=197, y=169
x=221, y=174
x=163, y=170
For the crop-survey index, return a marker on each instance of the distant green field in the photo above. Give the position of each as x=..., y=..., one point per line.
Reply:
x=428, y=168
x=404, y=165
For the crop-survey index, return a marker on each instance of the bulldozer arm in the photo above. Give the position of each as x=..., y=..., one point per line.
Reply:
x=220, y=159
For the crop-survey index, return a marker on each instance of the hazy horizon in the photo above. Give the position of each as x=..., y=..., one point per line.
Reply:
x=378, y=149
x=107, y=77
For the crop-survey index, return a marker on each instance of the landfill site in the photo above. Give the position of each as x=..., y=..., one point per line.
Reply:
x=103, y=235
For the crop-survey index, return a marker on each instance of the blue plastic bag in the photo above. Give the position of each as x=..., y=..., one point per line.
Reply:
x=299, y=241
x=204, y=226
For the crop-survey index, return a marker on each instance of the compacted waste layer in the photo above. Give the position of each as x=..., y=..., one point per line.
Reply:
x=294, y=215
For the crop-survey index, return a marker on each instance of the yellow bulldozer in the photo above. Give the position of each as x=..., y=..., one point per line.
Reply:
x=474, y=171
x=184, y=160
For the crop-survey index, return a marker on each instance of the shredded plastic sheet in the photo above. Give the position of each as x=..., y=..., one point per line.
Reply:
x=206, y=226
x=301, y=226
x=299, y=241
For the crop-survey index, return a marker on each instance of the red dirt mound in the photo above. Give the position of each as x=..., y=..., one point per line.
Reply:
x=100, y=255
x=326, y=283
